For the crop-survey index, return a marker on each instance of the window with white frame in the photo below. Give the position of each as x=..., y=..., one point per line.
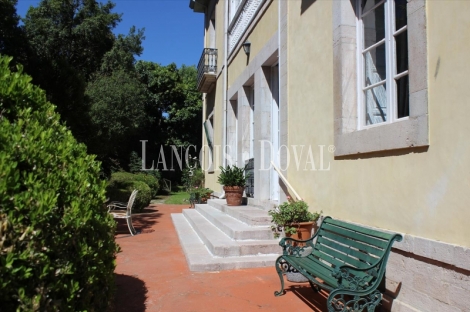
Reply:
x=382, y=61
x=380, y=76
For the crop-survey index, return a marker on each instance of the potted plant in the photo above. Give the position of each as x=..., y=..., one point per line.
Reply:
x=297, y=222
x=233, y=179
x=294, y=218
x=203, y=194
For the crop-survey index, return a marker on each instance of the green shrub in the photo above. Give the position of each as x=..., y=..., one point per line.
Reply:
x=192, y=178
x=150, y=180
x=57, y=248
x=232, y=176
x=121, y=185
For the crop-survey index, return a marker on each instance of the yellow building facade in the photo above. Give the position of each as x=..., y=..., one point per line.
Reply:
x=363, y=107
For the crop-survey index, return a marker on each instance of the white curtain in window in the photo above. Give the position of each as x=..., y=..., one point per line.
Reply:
x=376, y=98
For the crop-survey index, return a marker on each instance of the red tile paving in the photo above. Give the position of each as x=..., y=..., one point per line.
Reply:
x=152, y=275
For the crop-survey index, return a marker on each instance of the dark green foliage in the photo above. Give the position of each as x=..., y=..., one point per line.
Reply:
x=150, y=180
x=121, y=56
x=117, y=113
x=12, y=36
x=107, y=100
x=172, y=91
x=68, y=40
x=135, y=163
x=57, y=245
x=183, y=125
x=232, y=176
x=121, y=185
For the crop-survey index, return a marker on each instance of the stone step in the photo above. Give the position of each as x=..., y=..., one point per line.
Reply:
x=219, y=244
x=200, y=259
x=234, y=228
x=248, y=214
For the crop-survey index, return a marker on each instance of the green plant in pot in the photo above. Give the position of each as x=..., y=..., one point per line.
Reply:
x=294, y=218
x=201, y=194
x=233, y=179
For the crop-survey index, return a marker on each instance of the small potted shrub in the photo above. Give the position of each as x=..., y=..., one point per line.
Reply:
x=202, y=194
x=294, y=218
x=233, y=179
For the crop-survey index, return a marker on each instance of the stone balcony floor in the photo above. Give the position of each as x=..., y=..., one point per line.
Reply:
x=152, y=275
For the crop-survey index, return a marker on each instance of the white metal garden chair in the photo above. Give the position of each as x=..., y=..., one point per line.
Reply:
x=116, y=209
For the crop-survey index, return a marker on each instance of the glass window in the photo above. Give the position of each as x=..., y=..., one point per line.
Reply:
x=383, y=53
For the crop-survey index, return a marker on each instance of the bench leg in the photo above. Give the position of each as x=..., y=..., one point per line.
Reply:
x=315, y=287
x=281, y=277
x=130, y=226
x=337, y=302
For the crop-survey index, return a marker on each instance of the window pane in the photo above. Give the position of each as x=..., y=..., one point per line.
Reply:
x=403, y=97
x=374, y=26
x=402, y=51
x=400, y=14
x=376, y=105
x=375, y=65
x=366, y=5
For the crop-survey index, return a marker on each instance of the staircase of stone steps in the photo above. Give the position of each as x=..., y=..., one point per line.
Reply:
x=217, y=237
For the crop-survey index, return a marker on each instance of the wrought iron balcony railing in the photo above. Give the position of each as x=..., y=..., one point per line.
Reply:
x=207, y=70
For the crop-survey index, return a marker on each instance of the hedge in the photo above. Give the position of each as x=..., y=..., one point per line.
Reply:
x=121, y=185
x=150, y=180
x=57, y=248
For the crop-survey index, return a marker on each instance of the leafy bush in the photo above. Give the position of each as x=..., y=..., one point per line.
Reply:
x=150, y=180
x=57, y=247
x=121, y=185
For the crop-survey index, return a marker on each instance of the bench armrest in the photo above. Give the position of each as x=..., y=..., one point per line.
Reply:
x=296, y=247
x=116, y=205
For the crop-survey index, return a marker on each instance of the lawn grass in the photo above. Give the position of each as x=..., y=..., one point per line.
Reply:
x=178, y=198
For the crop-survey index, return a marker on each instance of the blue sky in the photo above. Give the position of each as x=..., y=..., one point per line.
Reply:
x=173, y=32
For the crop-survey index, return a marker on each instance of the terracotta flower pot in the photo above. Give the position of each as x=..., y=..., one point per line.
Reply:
x=304, y=230
x=234, y=195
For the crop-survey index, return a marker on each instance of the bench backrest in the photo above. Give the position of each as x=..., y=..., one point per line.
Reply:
x=341, y=243
x=130, y=203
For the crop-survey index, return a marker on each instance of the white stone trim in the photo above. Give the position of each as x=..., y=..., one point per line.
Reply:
x=413, y=132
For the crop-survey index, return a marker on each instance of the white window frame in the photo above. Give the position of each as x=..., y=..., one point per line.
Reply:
x=391, y=64
x=404, y=133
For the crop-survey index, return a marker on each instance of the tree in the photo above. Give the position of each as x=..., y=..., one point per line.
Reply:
x=118, y=115
x=184, y=122
x=175, y=106
x=69, y=39
x=12, y=36
x=122, y=54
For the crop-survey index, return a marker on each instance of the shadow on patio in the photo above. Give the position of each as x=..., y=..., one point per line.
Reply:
x=131, y=293
x=153, y=275
x=143, y=221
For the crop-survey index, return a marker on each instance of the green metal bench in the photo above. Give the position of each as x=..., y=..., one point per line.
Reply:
x=345, y=259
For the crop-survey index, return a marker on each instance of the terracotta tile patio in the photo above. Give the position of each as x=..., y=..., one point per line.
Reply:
x=152, y=275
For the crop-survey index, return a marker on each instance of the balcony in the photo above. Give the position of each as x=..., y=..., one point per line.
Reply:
x=207, y=70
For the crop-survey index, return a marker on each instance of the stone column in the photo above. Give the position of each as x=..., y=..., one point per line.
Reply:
x=262, y=133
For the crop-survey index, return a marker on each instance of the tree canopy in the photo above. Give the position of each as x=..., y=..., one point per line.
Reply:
x=107, y=99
